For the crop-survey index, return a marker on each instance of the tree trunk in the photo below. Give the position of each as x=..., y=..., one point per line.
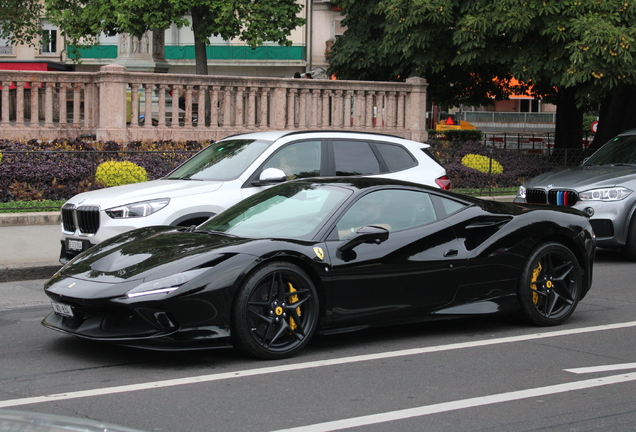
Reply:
x=569, y=120
x=200, y=52
x=617, y=114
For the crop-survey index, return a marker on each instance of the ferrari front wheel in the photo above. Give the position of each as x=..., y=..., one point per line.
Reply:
x=275, y=311
x=550, y=285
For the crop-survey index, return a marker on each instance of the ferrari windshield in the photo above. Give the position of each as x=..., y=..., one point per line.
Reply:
x=621, y=150
x=221, y=161
x=291, y=210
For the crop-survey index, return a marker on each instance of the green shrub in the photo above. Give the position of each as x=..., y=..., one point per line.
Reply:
x=462, y=135
x=482, y=163
x=1, y=157
x=113, y=173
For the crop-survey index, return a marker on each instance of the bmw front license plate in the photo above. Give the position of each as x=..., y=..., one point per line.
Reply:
x=74, y=245
x=62, y=309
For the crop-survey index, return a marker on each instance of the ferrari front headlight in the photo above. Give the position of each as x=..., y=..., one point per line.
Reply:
x=138, y=209
x=605, y=194
x=164, y=285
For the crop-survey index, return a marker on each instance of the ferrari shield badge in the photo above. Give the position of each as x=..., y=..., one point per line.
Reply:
x=319, y=253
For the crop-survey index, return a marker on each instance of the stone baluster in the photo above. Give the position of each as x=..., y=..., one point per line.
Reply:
x=315, y=111
x=251, y=107
x=134, y=106
x=5, y=104
x=91, y=106
x=35, y=106
x=302, y=109
x=263, y=116
x=291, y=108
x=324, y=121
x=203, y=91
x=400, y=111
x=391, y=110
x=77, y=104
x=176, y=91
x=214, y=106
x=337, y=109
x=227, y=106
x=239, y=112
x=359, y=107
x=62, y=102
x=348, y=107
x=187, y=120
x=379, y=115
x=163, y=88
x=148, y=89
x=19, y=103
x=49, y=87
x=369, y=107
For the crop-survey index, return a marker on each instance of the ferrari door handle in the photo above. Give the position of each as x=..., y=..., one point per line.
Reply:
x=451, y=252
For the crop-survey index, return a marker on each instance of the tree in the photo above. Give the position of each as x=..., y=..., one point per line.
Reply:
x=573, y=53
x=20, y=21
x=253, y=22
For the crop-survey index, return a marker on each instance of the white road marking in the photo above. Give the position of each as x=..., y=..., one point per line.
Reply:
x=306, y=365
x=604, y=368
x=460, y=404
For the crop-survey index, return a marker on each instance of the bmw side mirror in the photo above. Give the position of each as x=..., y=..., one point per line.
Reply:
x=366, y=234
x=271, y=176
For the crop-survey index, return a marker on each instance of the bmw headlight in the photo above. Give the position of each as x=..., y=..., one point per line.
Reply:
x=164, y=285
x=138, y=209
x=605, y=194
x=521, y=193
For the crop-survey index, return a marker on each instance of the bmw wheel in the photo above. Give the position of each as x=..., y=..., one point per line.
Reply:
x=275, y=312
x=550, y=285
x=629, y=250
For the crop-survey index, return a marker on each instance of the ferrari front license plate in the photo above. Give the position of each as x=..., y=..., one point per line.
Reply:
x=62, y=309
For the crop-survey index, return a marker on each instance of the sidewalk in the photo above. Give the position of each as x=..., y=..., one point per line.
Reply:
x=29, y=245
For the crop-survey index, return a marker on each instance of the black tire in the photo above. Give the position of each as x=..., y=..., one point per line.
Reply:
x=550, y=285
x=275, y=312
x=629, y=250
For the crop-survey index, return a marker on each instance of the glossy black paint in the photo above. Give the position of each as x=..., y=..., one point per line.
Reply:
x=467, y=262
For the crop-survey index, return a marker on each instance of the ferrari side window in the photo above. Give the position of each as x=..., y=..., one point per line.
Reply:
x=451, y=206
x=394, y=210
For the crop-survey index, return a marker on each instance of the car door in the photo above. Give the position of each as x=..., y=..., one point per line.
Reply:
x=300, y=159
x=415, y=270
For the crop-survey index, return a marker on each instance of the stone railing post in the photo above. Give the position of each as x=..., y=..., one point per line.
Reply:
x=112, y=103
x=415, y=109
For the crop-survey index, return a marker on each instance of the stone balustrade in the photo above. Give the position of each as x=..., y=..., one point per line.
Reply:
x=105, y=104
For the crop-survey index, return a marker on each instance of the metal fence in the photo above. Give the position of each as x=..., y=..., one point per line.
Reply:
x=474, y=168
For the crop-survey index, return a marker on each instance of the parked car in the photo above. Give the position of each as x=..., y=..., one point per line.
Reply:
x=234, y=168
x=326, y=255
x=603, y=186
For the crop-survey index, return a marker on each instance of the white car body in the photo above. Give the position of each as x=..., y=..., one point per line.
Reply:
x=194, y=201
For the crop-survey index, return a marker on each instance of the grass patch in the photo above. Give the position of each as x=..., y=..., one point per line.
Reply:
x=31, y=206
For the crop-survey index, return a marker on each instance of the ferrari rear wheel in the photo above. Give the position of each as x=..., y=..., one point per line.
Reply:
x=550, y=285
x=275, y=312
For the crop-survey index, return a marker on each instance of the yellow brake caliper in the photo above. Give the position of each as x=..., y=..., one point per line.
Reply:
x=293, y=299
x=535, y=276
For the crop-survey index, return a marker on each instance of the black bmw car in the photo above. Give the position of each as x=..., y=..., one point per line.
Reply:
x=325, y=255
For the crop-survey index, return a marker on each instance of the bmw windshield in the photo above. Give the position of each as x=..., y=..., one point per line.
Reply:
x=291, y=210
x=620, y=151
x=221, y=161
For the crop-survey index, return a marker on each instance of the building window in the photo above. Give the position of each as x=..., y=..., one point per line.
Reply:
x=49, y=38
x=5, y=47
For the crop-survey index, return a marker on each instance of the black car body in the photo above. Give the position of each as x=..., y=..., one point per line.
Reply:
x=313, y=255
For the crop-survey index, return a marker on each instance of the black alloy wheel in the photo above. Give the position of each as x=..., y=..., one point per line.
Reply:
x=550, y=285
x=275, y=312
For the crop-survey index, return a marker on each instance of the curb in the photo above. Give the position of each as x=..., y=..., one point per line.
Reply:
x=35, y=218
x=20, y=272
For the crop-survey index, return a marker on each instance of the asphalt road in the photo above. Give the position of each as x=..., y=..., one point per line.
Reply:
x=486, y=374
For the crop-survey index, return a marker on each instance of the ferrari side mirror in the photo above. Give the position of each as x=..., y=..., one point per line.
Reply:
x=367, y=234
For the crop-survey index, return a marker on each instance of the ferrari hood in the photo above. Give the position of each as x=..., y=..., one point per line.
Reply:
x=155, y=189
x=153, y=251
x=583, y=178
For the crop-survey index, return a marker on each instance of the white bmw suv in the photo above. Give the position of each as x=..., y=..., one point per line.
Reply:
x=234, y=168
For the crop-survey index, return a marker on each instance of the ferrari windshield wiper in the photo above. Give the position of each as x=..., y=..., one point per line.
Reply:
x=215, y=232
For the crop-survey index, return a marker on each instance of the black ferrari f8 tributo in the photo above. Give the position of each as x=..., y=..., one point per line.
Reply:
x=325, y=255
